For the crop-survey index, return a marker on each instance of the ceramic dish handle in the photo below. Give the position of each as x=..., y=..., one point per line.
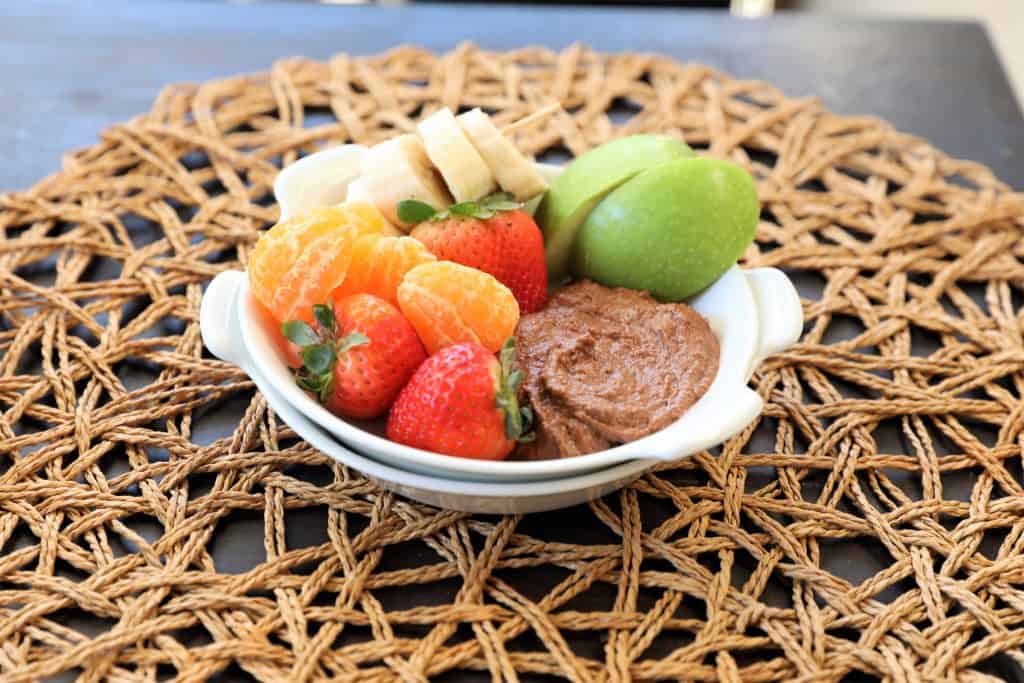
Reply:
x=731, y=416
x=780, y=322
x=217, y=316
x=779, y=312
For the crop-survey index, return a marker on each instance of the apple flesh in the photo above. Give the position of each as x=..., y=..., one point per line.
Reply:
x=671, y=230
x=586, y=181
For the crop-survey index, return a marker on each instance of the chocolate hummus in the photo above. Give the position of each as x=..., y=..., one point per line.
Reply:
x=606, y=366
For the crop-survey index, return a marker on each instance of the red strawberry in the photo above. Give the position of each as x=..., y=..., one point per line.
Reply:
x=359, y=356
x=493, y=235
x=462, y=401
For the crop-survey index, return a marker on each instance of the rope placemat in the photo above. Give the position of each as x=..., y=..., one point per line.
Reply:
x=871, y=523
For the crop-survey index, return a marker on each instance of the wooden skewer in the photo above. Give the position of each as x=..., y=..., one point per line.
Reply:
x=533, y=118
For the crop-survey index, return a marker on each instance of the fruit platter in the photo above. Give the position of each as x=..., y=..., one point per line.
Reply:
x=481, y=332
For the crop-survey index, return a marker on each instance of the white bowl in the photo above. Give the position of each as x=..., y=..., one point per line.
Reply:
x=453, y=494
x=751, y=322
x=742, y=309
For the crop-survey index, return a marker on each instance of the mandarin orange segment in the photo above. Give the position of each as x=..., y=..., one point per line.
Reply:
x=367, y=216
x=274, y=258
x=378, y=265
x=449, y=303
x=389, y=230
x=317, y=272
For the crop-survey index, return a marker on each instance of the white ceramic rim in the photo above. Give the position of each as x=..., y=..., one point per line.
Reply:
x=728, y=405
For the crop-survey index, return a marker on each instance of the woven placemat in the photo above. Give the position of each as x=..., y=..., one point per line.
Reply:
x=872, y=522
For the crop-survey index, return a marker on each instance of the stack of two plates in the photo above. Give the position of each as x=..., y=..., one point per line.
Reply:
x=754, y=313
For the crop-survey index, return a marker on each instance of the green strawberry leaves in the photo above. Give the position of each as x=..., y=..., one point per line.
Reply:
x=320, y=349
x=318, y=358
x=414, y=211
x=518, y=419
x=299, y=332
x=324, y=316
x=483, y=209
x=321, y=384
x=465, y=209
x=352, y=340
x=500, y=201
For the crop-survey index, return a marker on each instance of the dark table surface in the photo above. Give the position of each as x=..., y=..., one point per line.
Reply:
x=74, y=68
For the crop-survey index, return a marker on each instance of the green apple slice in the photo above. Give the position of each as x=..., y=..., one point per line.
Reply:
x=586, y=181
x=671, y=230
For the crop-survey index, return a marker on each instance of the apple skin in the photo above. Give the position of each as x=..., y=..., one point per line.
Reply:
x=671, y=230
x=589, y=179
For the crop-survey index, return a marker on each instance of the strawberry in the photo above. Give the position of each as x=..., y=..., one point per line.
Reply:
x=493, y=235
x=462, y=401
x=358, y=357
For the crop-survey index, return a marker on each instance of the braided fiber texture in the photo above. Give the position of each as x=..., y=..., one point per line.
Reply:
x=870, y=523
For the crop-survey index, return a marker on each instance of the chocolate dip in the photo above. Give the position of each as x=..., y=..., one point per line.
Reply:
x=606, y=366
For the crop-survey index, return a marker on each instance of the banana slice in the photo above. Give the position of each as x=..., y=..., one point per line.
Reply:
x=514, y=171
x=467, y=175
x=399, y=169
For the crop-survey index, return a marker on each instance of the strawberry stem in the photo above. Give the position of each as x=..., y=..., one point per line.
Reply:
x=518, y=419
x=320, y=349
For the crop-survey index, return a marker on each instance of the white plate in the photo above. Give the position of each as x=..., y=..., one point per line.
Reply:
x=750, y=323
